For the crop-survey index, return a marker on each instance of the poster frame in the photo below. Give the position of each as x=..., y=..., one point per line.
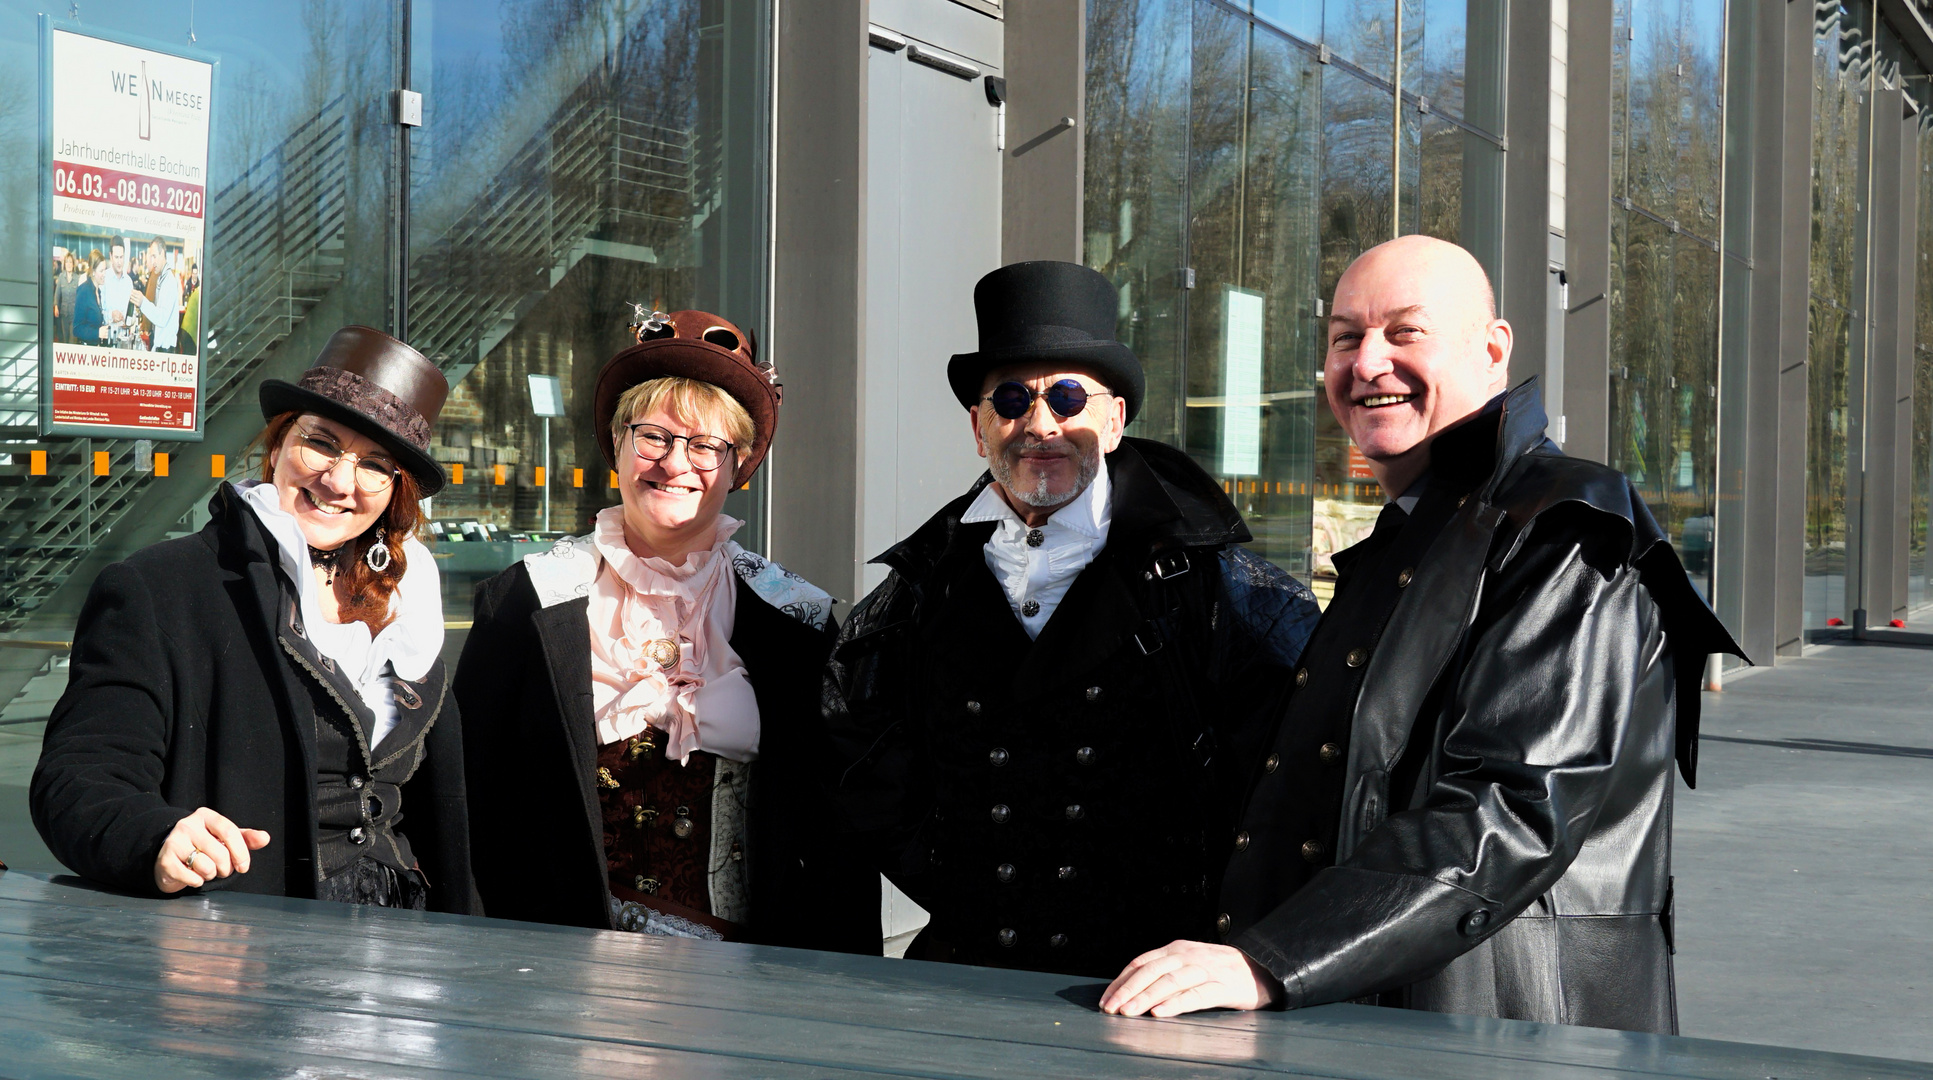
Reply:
x=49, y=429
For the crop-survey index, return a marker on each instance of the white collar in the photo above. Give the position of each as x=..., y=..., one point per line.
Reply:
x=1089, y=514
x=412, y=641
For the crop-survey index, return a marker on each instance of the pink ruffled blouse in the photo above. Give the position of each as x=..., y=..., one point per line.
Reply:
x=702, y=700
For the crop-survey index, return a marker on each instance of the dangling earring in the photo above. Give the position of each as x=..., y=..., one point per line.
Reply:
x=378, y=554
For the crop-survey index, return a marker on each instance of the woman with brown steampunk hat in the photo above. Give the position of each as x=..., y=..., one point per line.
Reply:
x=259, y=705
x=642, y=702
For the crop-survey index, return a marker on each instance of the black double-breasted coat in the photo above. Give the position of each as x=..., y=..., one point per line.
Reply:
x=525, y=682
x=1066, y=802
x=184, y=691
x=1472, y=809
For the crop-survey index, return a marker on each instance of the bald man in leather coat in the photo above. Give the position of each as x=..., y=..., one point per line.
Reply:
x=1468, y=804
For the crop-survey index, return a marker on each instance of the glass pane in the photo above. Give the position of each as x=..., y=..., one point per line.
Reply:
x=1303, y=18
x=576, y=158
x=1841, y=63
x=1919, y=573
x=1434, y=36
x=1673, y=102
x=1641, y=337
x=1355, y=216
x=299, y=220
x=1688, y=512
x=1362, y=32
x=1825, y=508
x=1136, y=182
x=1252, y=331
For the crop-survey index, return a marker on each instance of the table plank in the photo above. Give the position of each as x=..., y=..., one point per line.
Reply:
x=180, y=978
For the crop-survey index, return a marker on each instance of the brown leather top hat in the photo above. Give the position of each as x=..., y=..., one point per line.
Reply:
x=377, y=385
x=694, y=345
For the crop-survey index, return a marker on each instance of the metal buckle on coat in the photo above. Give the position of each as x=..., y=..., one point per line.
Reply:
x=1170, y=564
x=1148, y=639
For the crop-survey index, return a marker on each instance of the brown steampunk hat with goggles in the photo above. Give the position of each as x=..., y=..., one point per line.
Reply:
x=700, y=346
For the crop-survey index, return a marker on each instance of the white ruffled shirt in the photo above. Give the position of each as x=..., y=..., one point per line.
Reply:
x=1041, y=575
x=705, y=701
x=406, y=648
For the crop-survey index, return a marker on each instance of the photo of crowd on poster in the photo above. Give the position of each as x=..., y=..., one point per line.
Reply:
x=127, y=292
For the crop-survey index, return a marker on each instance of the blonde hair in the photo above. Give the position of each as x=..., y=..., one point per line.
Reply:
x=700, y=404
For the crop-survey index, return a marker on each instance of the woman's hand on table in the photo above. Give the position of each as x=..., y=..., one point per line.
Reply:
x=1187, y=976
x=202, y=847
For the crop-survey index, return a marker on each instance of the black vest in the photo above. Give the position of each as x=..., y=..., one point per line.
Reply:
x=359, y=787
x=1077, y=818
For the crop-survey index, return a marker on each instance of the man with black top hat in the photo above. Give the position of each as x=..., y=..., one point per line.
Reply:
x=1050, y=705
x=1467, y=807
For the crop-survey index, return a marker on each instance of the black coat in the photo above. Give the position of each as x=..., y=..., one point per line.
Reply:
x=1502, y=846
x=182, y=694
x=1067, y=802
x=525, y=681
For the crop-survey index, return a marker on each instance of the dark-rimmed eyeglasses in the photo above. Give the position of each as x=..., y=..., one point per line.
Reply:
x=1068, y=399
x=653, y=443
x=317, y=452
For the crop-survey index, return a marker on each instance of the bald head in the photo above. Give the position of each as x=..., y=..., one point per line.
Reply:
x=1415, y=347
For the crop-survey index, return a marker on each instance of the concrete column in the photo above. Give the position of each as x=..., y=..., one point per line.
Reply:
x=1587, y=234
x=1776, y=489
x=818, y=287
x=1878, y=489
x=1906, y=282
x=1527, y=290
x=1046, y=70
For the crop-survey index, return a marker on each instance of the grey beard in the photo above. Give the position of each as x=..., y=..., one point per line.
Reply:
x=1038, y=496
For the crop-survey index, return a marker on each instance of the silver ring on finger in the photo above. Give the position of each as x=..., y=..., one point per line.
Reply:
x=189, y=862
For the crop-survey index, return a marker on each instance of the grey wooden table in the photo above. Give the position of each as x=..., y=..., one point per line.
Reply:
x=103, y=986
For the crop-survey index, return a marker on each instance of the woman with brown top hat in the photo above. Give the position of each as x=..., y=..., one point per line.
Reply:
x=642, y=702
x=260, y=706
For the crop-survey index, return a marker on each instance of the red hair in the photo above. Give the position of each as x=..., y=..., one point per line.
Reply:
x=368, y=591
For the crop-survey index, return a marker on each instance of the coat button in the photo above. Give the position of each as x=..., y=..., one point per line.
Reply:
x=1302, y=677
x=973, y=707
x=1001, y=812
x=1075, y=812
x=1356, y=657
x=1065, y=873
x=1222, y=923
x=1004, y=872
x=1085, y=755
x=1403, y=579
x=1007, y=938
x=1241, y=841
x=1093, y=694
x=1330, y=753
x=1312, y=850
x=1271, y=763
x=998, y=756
x=1058, y=941
x=358, y=836
x=1474, y=923
x=356, y=783
x=1030, y=609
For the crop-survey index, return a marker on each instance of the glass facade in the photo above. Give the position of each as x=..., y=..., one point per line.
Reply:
x=1919, y=579
x=1238, y=158
x=1667, y=108
x=576, y=156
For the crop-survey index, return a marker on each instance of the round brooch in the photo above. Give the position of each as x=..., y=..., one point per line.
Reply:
x=663, y=652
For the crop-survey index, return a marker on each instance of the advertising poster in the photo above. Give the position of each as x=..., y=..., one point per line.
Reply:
x=125, y=180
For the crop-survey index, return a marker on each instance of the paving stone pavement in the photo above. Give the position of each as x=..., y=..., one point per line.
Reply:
x=1804, y=860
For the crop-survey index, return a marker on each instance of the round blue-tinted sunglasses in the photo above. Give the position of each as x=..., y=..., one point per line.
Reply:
x=1068, y=398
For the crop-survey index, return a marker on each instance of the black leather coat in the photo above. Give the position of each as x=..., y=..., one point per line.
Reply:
x=1503, y=843
x=1067, y=802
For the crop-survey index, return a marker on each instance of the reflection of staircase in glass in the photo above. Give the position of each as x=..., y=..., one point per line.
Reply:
x=582, y=185
x=588, y=183
x=277, y=230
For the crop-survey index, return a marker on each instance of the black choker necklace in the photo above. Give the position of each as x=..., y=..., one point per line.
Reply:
x=328, y=561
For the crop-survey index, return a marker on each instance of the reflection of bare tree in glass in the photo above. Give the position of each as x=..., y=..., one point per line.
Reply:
x=1138, y=60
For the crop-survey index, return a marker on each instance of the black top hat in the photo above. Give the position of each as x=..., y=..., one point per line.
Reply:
x=377, y=385
x=1054, y=311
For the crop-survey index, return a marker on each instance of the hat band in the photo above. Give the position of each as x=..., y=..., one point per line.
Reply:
x=348, y=389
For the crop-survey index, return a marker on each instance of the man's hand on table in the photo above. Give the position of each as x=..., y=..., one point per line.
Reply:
x=1187, y=976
